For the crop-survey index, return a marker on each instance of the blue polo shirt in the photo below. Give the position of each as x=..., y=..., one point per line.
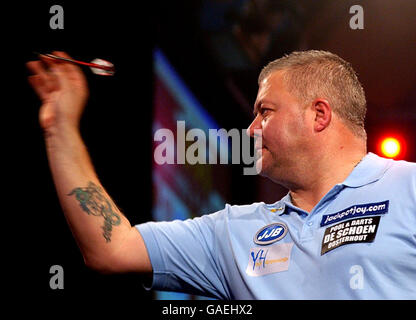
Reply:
x=358, y=242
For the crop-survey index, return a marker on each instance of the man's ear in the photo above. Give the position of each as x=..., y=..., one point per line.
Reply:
x=323, y=114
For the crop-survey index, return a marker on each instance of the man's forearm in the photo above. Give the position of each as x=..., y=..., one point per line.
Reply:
x=94, y=219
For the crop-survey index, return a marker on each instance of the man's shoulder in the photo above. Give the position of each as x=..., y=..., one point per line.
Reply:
x=402, y=169
x=393, y=171
x=239, y=211
x=399, y=180
x=243, y=208
x=406, y=165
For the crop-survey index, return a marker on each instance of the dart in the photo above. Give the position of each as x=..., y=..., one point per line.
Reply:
x=97, y=66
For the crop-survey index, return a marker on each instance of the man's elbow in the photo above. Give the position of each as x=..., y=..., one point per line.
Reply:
x=127, y=256
x=100, y=264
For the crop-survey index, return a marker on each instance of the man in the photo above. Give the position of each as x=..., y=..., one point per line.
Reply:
x=345, y=230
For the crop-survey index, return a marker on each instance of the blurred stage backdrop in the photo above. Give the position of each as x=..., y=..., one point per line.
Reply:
x=195, y=61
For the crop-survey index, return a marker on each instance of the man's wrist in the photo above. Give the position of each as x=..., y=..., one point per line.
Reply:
x=61, y=135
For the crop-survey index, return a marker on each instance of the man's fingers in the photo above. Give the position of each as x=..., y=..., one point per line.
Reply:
x=62, y=54
x=50, y=62
x=36, y=67
x=46, y=78
x=52, y=74
x=38, y=85
x=67, y=66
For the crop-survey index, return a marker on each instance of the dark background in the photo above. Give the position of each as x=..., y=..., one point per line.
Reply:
x=117, y=124
x=116, y=127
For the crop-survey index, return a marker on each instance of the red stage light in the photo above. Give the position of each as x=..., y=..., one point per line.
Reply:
x=391, y=147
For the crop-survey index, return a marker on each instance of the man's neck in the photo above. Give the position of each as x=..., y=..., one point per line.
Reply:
x=307, y=196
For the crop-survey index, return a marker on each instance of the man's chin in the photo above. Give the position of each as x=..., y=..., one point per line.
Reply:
x=260, y=167
x=265, y=169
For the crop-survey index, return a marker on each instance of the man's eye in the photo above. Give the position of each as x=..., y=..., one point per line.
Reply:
x=264, y=111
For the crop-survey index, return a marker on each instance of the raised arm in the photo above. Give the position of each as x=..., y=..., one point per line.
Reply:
x=105, y=237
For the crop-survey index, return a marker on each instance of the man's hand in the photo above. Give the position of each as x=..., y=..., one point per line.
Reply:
x=63, y=90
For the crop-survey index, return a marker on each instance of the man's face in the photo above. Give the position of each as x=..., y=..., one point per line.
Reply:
x=285, y=128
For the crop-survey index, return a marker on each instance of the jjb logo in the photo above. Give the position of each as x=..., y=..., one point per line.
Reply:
x=270, y=233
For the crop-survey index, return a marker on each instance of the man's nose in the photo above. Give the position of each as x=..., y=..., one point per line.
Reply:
x=256, y=124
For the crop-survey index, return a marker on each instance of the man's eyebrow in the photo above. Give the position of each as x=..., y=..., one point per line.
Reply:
x=257, y=105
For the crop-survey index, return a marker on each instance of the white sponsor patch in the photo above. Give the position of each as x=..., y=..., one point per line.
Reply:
x=266, y=260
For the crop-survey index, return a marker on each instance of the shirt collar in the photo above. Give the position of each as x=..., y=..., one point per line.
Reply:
x=370, y=169
x=284, y=203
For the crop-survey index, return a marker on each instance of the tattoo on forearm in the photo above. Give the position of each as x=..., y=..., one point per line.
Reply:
x=94, y=202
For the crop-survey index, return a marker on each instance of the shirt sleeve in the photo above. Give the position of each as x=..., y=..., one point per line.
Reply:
x=183, y=255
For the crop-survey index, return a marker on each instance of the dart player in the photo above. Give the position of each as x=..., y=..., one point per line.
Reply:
x=345, y=230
